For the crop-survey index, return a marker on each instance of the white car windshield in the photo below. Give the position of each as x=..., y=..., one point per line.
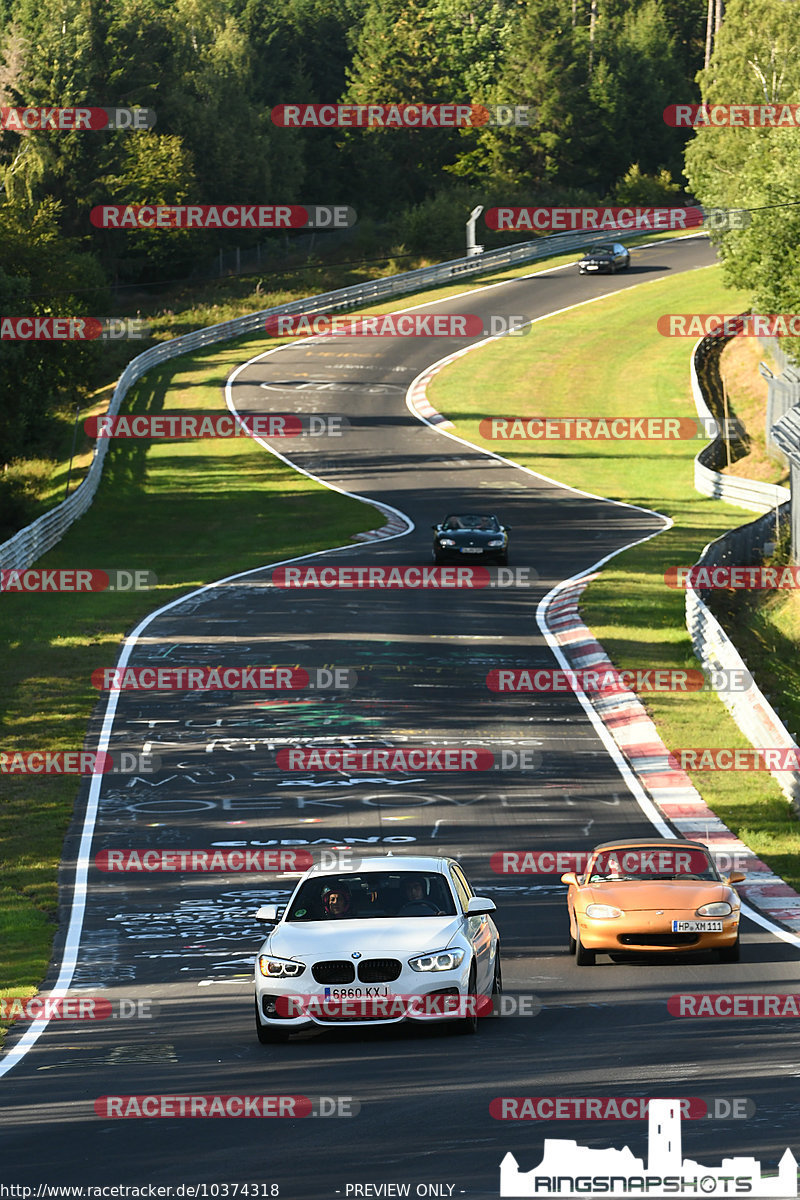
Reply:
x=373, y=894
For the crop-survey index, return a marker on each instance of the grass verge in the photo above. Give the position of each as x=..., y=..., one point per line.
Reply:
x=189, y=511
x=606, y=359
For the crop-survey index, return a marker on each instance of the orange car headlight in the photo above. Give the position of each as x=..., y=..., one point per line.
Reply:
x=718, y=908
x=603, y=911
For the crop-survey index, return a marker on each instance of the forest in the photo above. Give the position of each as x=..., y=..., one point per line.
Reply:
x=596, y=74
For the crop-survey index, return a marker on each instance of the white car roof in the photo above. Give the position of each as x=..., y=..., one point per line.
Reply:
x=383, y=862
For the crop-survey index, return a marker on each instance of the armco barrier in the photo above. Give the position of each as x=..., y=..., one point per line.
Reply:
x=744, y=493
x=750, y=709
x=36, y=539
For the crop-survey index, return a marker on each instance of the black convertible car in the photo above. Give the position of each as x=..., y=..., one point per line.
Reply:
x=610, y=258
x=464, y=536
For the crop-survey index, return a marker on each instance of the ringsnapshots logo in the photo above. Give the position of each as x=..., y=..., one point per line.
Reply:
x=727, y=116
x=222, y=216
x=224, y=679
x=401, y=116
x=80, y=119
x=406, y=758
x=77, y=762
x=399, y=578
x=735, y=578
x=402, y=325
x=608, y=680
x=74, y=579
x=721, y=325
x=72, y=329
x=560, y=220
x=217, y=425
x=569, y=1170
x=605, y=429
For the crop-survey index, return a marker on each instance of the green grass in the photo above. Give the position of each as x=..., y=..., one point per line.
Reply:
x=189, y=307
x=189, y=511
x=606, y=359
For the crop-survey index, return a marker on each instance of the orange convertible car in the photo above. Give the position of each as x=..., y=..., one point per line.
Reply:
x=657, y=896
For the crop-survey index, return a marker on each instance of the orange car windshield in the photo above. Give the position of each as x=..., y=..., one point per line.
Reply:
x=651, y=864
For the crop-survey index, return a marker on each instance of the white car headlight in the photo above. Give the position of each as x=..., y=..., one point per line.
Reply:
x=718, y=908
x=603, y=911
x=279, y=968
x=446, y=542
x=496, y=542
x=441, y=960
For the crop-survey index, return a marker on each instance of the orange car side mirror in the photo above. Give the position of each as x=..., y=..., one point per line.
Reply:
x=737, y=877
x=570, y=877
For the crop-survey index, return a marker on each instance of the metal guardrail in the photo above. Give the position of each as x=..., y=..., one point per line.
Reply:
x=751, y=494
x=37, y=538
x=745, y=546
x=750, y=709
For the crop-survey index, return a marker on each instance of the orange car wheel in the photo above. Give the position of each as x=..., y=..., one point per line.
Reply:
x=730, y=953
x=583, y=957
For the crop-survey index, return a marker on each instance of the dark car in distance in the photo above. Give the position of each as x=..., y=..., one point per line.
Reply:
x=470, y=536
x=606, y=258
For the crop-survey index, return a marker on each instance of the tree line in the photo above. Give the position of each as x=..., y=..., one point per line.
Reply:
x=597, y=73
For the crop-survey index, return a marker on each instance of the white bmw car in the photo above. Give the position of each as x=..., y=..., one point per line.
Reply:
x=378, y=942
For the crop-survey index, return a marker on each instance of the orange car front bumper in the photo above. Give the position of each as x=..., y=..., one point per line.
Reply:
x=652, y=933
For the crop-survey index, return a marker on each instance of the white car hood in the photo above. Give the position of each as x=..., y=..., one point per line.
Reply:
x=396, y=937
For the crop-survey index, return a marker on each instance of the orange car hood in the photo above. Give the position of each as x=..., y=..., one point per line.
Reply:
x=635, y=896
